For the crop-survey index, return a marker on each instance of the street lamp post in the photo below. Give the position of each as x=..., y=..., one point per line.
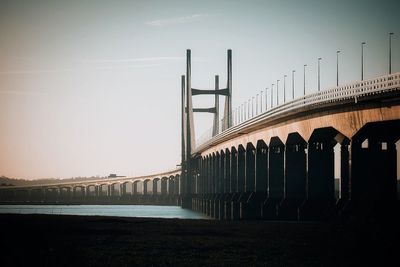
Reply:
x=304, y=89
x=261, y=98
x=256, y=104
x=337, y=67
x=284, y=88
x=266, y=99
x=362, y=61
x=272, y=95
x=252, y=106
x=236, y=116
x=248, y=109
x=390, y=52
x=277, y=92
x=293, y=71
x=243, y=112
x=319, y=74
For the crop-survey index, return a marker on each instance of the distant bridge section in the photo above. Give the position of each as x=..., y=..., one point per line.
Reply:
x=161, y=188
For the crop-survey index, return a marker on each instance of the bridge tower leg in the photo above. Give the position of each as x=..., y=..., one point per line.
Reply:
x=190, y=168
x=228, y=119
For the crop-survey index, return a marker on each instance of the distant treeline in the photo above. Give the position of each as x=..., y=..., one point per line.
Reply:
x=5, y=181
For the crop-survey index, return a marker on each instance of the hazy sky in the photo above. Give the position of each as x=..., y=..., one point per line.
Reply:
x=93, y=87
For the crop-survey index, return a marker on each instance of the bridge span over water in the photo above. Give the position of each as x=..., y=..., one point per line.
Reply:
x=160, y=188
x=277, y=164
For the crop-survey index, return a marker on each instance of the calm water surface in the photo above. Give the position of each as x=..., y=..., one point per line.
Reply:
x=105, y=210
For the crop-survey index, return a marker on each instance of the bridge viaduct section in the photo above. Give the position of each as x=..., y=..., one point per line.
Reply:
x=281, y=164
x=160, y=189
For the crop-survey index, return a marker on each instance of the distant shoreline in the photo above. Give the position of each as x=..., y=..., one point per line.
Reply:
x=82, y=203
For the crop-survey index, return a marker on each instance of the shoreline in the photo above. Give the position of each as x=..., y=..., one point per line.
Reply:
x=71, y=240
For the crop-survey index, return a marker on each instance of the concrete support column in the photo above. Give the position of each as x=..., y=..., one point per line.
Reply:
x=176, y=183
x=344, y=171
x=241, y=176
x=134, y=188
x=154, y=187
x=275, y=185
x=217, y=186
x=74, y=192
x=201, y=177
x=110, y=190
x=145, y=187
x=214, y=171
x=261, y=167
x=210, y=174
x=241, y=169
x=321, y=183
x=250, y=166
x=227, y=172
x=88, y=192
x=249, y=208
x=164, y=182
x=374, y=169
x=221, y=186
x=84, y=191
x=320, y=203
x=233, y=196
x=295, y=177
x=220, y=174
x=122, y=189
x=171, y=186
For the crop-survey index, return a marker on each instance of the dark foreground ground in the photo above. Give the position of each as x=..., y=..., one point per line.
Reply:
x=45, y=240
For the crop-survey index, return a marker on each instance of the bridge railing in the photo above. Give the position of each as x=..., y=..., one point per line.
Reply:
x=353, y=91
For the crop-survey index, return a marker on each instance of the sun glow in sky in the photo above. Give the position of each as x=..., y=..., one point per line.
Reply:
x=93, y=87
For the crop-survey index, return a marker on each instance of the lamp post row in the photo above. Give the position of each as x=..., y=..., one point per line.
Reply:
x=241, y=116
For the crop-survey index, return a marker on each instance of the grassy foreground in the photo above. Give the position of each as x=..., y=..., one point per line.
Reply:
x=46, y=240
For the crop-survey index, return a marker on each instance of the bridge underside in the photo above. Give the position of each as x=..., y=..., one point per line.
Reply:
x=342, y=164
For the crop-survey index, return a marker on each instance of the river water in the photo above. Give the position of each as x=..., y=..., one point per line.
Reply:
x=147, y=211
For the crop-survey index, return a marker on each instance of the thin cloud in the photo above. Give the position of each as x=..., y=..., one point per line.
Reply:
x=21, y=93
x=151, y=62
x=143, y=59
x=148, y=59
x=45, y=71
x=176, y=20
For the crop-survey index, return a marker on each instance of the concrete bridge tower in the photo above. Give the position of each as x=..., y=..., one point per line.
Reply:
x=189, y=168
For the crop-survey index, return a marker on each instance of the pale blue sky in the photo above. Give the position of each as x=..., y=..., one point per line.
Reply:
x=93, y=87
